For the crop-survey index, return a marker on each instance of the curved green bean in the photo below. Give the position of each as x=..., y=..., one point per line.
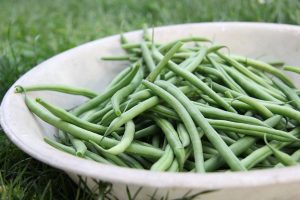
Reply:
x=57, y=88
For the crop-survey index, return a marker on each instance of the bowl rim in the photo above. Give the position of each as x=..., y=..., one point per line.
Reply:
x=129, y=176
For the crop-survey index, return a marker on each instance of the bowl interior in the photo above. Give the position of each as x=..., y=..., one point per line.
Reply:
x=83, y=67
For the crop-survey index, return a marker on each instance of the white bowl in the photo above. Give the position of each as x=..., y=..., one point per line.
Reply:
x=82, y=66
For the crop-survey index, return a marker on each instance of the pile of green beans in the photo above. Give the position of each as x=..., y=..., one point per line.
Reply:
x=183, y=106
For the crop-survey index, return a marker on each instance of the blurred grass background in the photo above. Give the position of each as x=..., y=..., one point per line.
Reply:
x=32, y=31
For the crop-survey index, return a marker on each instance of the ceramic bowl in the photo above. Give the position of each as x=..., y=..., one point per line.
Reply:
x=82, y=66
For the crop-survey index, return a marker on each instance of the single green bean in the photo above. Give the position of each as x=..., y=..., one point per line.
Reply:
x=147, y=57
x=58, y=88
x=292, y=69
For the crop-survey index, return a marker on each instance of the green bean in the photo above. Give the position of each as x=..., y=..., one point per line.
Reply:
x=68, y=117
x=191, y=63
x=83, y=134
x=130, y=114
x=60, y=146
x=173, y=139
x=209, y=150
x=78, y=145
x=164, y=61
x=130, y=161
x=187, y=121
x=147, y=57
x=96, y=116
x=144, y=94
x=265, y=112
x=276, y=63
x=118, y=161
x=97, y=158
x=57, y=88
x=290, y=93
x=155, y=141
x=119, y=77
x=174, y=166
x=108, y=93
x=150, y=130
x=265, y=67
x=292, y=69
x=273, y=121
x=284, y=158
x=228, y=140
x=62, y=137
x=210, y=71
x=228, y=95
x=114, y=58
x=257, y=130
x=165, y=161
x=123, y=93
x=197, y=60
x=183, y=135
x=295, y=156
x=196, y=82
x=187, y=39
x=210, y=133
x=124, y=143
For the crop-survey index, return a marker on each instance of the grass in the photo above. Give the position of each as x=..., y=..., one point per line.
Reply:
x=32, y=31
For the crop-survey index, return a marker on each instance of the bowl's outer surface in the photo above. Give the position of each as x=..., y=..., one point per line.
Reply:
x=82, y=67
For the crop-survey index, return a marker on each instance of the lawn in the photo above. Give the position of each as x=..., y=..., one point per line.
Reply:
x=32, y=31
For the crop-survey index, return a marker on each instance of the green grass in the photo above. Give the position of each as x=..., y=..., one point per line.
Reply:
x=32, y=31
